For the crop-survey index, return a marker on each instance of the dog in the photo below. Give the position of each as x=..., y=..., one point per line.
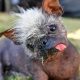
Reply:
x=48, y=55
x=47, y=47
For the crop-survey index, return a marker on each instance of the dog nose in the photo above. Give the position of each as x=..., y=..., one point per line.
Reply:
x=44, y=42
x=47, y=43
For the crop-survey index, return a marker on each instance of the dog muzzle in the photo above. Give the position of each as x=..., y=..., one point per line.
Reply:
x=53, y=43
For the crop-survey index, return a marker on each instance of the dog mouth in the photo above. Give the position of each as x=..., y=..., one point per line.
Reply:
x=53, y=51
x=60, y=47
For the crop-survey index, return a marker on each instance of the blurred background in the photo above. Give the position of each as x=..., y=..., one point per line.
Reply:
x=71, y=16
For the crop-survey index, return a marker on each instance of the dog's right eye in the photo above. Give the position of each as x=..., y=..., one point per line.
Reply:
x=52, y=27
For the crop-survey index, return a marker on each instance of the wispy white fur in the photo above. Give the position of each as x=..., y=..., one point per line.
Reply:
x=28, y=22
x=31, y=23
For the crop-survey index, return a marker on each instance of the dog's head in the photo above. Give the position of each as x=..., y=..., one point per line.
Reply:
x=41, y=33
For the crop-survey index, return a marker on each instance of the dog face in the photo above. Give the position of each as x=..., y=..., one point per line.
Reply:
x=40, y=32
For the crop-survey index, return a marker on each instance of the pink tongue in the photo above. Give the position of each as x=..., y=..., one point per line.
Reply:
x=61, y=47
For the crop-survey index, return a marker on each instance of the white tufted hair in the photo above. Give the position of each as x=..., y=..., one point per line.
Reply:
x=30, y=21
x=26, y=24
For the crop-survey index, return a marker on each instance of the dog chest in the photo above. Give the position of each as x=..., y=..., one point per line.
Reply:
x=60, y=66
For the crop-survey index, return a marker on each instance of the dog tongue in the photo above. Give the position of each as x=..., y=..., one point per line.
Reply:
x=60, y=47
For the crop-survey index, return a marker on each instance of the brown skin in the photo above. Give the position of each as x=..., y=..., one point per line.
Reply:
x=64, y=65
x=37, y=71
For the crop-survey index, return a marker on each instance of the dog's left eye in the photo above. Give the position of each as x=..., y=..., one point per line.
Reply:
x=52, y=27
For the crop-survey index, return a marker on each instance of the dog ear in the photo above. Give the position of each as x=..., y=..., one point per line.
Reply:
x=52, y=6
x=10, y=35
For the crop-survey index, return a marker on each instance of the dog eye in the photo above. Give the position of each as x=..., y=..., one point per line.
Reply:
x=52, y=27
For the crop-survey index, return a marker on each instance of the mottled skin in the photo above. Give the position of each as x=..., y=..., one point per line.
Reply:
x=63, y=66
x=13, y=58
